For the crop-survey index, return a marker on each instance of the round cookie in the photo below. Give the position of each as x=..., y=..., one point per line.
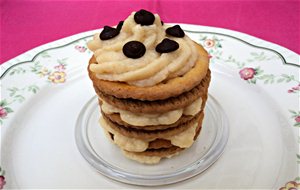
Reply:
x=142, y=134
x=117, y=119
x=159, y=106
x=162, y=152
x=183, y=119
x=163, y=90
x=159, y=143
x=156, y=144
x=165, y=152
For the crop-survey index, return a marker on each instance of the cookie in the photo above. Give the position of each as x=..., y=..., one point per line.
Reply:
x=164, y=152
x=156, y=144
x=143, y=134
x=159, y=106
x=161, y=91
x=115, y=117
x=160, y=143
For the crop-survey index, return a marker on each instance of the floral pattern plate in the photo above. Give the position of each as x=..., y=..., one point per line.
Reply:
x=256, y=83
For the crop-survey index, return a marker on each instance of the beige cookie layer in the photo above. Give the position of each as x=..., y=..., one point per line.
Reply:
x=146, y=159
x=141, y=119
x=184, y=139
x=166, y=89
x=150, y=69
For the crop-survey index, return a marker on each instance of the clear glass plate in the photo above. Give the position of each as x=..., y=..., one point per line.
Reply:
x=107, y=158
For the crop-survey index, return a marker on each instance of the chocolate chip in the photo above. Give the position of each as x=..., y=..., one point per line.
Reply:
x=162, y=23
x=119, y=27
x=144, y=17
x=108, y=33
x=175, y=31
x=134, y=49
x=112, y=136
x=167, y=46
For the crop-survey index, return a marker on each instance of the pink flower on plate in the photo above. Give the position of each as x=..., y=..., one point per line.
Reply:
x=294, y=89
x=60, y=67
x=2, y=182
x=3, y=112
x=80, y=48
x=247, y=73
x=209, y=43
x=297, y=119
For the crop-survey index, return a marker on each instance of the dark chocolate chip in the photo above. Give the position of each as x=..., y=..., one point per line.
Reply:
x=144, y=17
x=175, y=31
x=134, y=49
x=119, y=27
x=167, y=46
x=112, y=136
x=108, y=33
x=162, y=23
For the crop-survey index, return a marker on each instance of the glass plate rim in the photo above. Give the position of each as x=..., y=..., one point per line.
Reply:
x=193, y=169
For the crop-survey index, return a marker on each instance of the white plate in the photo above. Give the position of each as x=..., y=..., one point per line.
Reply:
x=44, y=90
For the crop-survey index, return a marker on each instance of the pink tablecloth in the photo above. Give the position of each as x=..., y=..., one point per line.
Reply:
x=26, y=24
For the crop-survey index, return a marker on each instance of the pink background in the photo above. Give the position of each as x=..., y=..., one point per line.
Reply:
x=26, y=24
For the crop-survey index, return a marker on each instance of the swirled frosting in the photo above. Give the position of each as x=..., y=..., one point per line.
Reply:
x=148, y=70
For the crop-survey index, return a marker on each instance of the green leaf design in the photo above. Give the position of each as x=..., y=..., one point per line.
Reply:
x=253, y=53
x=19, y=98
x=33, y=88
x=252, y=81
x=2, y=172
x=297, y=179
x=3, y=103
x=13, y=91
x=62, y=61
x=36, y=67
x=18, y=70
x=280, y=80
x=298, y=156
x=286, y=78
x=292, y=111
x=297, y=125
x=45, y=54
x=8, y=110
x=203, y=38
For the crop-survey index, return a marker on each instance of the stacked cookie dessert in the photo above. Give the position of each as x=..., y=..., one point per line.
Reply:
x=152, y=82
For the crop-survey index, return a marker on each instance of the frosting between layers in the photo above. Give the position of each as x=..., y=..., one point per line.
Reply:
x=145, y=159
x=182, y=140
x=153, y=119
x=150, y=69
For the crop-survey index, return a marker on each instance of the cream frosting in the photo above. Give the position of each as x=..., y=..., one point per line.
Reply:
x=145, y=159
x=150, y=69
x=142, y=158
x=183, y=140
x=126, y=143
x=153, y=119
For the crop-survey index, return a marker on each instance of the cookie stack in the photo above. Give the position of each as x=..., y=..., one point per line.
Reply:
x=152, y=84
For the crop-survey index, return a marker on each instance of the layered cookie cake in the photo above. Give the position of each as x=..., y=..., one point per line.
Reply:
x=152, y=81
